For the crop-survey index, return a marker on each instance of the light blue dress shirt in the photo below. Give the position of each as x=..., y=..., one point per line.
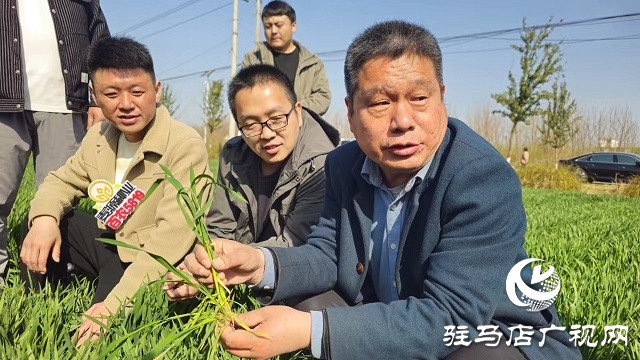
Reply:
x=389, y=210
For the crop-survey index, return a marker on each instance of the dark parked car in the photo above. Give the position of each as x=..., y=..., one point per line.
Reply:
x=607, y=166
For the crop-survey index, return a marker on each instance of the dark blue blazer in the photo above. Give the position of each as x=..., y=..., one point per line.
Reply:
x=464, y=230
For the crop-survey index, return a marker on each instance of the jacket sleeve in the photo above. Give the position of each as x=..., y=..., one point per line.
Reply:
x=320, y=97
x=98, y=29
x=221, y=220
x=170, y=237
x=98, y=24
x=482, y=230
x=63, y=187
x=245, y=60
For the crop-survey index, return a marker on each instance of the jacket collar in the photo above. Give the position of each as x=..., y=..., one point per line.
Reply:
x=306, y=56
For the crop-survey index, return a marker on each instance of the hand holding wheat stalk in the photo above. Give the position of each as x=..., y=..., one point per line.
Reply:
x=215, y=308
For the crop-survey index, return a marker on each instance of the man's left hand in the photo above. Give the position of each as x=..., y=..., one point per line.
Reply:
x=94, y=116
x=277, y=330
x=90, y=330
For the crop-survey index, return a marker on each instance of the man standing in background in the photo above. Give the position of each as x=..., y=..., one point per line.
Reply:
x=44, y=94
x=302, y=67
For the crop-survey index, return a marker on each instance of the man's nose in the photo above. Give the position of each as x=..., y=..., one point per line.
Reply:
x=126, y=101
x=267, y=133
x=402, y=117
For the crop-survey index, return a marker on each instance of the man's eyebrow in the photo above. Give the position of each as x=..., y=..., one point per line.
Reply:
x=370, y=92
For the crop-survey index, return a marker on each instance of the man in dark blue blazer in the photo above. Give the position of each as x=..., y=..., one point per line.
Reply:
x=422, y=222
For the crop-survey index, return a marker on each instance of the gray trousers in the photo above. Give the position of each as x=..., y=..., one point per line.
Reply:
x=51, y=137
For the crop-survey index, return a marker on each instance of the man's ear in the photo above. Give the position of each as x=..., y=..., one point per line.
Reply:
x=294, y=27
x=298, y=110
x=349, y=105
x=158, y=90
x=442, y=89
x=93, y=93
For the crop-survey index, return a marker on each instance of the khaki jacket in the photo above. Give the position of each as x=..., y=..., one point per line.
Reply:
x=311, y=84
x=297, y=198
x=157, y=225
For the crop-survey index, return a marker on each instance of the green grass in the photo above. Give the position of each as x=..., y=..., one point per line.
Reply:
x=592, y=240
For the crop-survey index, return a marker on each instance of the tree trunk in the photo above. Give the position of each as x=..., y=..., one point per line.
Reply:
x=513, y=131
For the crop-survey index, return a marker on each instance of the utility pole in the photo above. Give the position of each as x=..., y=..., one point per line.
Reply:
x=258, y=19
x=234, y=63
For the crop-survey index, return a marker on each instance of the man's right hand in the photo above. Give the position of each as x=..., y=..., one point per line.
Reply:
x=235, y=263
x=176, y=289
x=37, y=245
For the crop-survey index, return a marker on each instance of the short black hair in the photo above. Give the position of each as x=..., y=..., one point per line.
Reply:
x=119, y=53
x=390, y=39
x=254, y=75
x=278, y=8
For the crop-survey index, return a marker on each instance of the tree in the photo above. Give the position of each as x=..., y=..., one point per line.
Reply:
x=168, y=99
x=539, y=61
x=559, y=119
x=212, y=105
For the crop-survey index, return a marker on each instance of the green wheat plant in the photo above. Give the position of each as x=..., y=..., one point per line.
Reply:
x=214, y=311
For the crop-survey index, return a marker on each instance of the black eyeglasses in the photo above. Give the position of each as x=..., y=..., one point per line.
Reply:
x=274, y=123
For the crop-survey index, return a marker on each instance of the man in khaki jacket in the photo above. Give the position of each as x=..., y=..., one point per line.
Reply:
x=302, y=67
x=129, y=149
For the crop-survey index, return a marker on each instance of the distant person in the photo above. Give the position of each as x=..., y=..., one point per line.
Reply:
x=277, y=165
x=44, y=94
x=422, y=222
x=304, y=69
x=524, y=159
x=126, y=151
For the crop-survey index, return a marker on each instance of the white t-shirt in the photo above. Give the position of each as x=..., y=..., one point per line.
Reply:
x=42, y=71
x=125, y=153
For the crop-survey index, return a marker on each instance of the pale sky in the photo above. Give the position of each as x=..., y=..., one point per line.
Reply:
x=600, y=73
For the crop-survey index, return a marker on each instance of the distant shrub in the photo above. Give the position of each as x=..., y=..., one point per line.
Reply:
x=214, y=149
x=632, y=188
x=546, y=177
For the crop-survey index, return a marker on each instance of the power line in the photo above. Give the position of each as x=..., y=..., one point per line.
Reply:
x=556, y=24
x=565, y=41
x=157, y=17
x=619, y=37
x=197, y=55
x=186, y=21
x=475, y=36
x=201, y=73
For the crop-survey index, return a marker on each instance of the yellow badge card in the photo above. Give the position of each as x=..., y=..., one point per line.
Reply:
x=114, y=202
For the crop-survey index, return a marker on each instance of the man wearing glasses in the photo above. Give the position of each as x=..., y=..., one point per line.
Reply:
x=276, y=164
